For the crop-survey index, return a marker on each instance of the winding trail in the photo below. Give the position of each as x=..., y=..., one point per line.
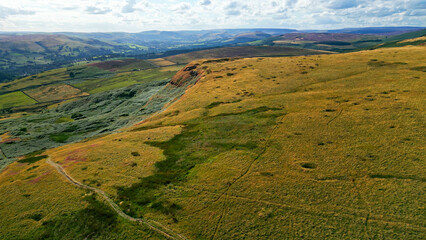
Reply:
x=153, y=225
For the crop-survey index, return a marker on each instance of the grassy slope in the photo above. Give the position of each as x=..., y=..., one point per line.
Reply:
x=342, y=160
x=52, y=77
x=45, y=49
x=126, y=79
x=407, y=42
x=15, y=99
x=411, y=38
x=409, y=35
x=55, y=92
x=79, y=74
x=316, y=147
x=248, y=51
x=45, y=208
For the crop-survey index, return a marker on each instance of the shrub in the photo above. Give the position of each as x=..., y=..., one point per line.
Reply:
x=77, y=116
x=60, y=138
x=36, y=217
x=214, y=104
x=135, y=154
x=64, y=119
x=309, y=165
x=32, y=159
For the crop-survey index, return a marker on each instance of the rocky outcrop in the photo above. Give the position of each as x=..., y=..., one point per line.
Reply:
x=185, y=75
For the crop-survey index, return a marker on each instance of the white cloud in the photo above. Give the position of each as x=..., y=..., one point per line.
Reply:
x=96, y=10
x=233, y=12
x=343, y=4
x=204, y=2
x=140, y=15
x=129, y=7
x=5, y=11
x=417, y=4
x=181, y=7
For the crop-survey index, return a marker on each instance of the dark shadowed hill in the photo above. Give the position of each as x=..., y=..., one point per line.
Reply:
x=246, y=51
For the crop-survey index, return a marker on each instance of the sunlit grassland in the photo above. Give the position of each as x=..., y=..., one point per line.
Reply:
x=61, y=210
x=113, y=160
x=346, y=160
x=172, y=68
x=161, y=62
x=55, y=92
x=315, y=147
x=15, y=99
x=31, y=194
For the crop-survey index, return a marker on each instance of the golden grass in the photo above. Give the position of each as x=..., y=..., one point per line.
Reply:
x=13, y=116
x=413, y=39
x=343, y=160
x=161, y=62
x=26, y=190
x=357, y=122
x=55, y=92
x=172, y=68
x=107, y=162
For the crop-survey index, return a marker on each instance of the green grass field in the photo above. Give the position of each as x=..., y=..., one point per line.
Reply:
x=91, y=78
x=126, y=79
x=15, y=99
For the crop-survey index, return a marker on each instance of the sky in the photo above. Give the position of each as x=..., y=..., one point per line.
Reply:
x=142, y=15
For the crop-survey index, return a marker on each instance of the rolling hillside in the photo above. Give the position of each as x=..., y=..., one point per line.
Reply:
x=412, y=38
x=389, y=31
x=23, y=54
x=95, y=77
x=339, y=42
x=31, y=53
x=312, y=147
x=344, y=41
x=238, y=52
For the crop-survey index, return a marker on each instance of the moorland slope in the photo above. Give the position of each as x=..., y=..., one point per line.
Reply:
x=314, y=147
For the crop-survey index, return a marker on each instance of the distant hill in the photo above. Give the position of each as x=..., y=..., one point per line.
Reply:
x=22, y=55
x=337, y=42
x=153, y=37
x=246, y=51
x=411, y=38
x=218, y=35
x=409, y=35
x=377, y=30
